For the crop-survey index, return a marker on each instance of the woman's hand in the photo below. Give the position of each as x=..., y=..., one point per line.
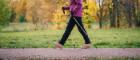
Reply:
x=63, y=9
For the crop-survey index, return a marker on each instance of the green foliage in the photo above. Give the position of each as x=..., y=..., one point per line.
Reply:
x=4, y=13
x=22, y=18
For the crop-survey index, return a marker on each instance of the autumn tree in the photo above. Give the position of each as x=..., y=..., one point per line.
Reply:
x=89, y=12
x=18, y=9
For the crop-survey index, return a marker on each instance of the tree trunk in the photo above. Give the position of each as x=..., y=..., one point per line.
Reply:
x=100, y=13
x=114, y=14
x=137, y=13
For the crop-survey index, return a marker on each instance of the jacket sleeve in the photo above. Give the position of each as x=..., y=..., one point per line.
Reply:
x=66, y=7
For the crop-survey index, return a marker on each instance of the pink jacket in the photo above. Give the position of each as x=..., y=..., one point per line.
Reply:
x=75, y=8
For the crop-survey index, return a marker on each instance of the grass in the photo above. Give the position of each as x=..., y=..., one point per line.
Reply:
x=113, y=38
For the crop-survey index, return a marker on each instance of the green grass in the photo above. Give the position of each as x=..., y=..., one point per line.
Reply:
x=113, y=38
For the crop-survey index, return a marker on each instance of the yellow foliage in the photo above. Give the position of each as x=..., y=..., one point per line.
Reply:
x=92, y=7
x=48, y=10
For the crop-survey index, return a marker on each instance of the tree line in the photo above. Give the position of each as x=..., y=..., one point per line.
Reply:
x=119, y=13
x=105, y=13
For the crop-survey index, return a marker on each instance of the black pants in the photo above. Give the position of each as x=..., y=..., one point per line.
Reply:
x=69, y=28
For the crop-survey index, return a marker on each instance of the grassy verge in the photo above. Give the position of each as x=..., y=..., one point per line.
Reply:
x=113, y=38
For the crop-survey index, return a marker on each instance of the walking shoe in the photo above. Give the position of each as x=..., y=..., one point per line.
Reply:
x=86, y=46
x=58, y=45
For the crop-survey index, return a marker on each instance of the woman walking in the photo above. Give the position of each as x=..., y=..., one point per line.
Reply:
x=75, y=9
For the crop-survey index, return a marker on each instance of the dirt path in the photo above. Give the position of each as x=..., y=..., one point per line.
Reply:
x=67, y=53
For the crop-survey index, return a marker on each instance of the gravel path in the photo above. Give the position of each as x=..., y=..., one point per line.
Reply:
x=67, y=53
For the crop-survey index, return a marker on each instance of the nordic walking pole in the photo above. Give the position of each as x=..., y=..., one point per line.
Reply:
x=79, y=25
